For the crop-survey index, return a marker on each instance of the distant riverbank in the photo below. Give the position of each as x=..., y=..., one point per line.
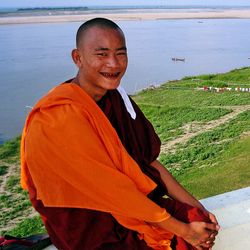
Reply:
x=130, y=14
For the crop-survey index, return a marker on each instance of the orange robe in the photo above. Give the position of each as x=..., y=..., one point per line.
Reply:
x=76, y=160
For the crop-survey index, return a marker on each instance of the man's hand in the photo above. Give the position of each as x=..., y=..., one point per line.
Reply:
x=212, y=218
x=201, y=234
x=198, y=234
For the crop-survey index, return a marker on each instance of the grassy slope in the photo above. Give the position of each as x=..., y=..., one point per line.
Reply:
x=215, y=161
x=15, y=206
x=230, y=171
x=212, y=162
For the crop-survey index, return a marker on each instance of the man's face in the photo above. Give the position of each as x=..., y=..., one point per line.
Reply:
x=103, y=60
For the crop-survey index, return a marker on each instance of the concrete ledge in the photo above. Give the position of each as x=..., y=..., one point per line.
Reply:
x=229, y=198
x=232, y=210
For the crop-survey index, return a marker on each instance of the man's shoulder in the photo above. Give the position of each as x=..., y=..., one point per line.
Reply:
x=63, y=93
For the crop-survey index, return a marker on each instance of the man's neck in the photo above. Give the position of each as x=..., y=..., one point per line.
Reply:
x=96, y=97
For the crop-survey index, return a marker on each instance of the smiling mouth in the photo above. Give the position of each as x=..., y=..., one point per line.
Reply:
x=110, y=75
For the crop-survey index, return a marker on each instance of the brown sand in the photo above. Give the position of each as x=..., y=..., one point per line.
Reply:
x=131, y=15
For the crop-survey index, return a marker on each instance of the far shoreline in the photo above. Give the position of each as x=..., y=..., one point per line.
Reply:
x=131, y=15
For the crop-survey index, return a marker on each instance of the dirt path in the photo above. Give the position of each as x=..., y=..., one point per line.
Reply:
x=194, y=128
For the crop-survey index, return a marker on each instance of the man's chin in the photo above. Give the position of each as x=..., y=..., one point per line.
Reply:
x=112, y=85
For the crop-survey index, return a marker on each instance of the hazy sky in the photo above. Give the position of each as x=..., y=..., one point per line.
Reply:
x=53, y=3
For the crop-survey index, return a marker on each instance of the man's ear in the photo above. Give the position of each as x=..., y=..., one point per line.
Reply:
x=76, y=57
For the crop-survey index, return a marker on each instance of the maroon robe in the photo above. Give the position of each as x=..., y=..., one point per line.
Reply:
x=80, y=229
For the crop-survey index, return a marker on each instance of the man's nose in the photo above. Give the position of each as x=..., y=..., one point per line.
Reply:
x=112, y=61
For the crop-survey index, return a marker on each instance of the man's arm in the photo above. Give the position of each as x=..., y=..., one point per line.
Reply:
x=198, y=234
x=177, y=192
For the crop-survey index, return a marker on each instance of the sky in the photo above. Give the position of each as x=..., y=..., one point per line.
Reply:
x=54, y=3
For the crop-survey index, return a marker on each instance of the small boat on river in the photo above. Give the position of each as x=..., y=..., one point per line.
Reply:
x=175, y=59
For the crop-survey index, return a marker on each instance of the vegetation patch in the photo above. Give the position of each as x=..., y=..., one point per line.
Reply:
x=229, y=171
x=9, y=151
x=208, y=146
x=3, y=170
x=28, y=227
x=168, y=121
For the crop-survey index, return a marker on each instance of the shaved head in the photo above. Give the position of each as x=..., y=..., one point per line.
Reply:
x=96, y=22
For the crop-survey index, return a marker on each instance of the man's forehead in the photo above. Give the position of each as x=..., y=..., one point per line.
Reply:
x=100, y=35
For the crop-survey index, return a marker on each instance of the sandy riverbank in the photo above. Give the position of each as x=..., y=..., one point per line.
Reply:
x=130, y=15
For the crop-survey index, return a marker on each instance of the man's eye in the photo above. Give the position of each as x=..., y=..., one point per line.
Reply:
x=121, y=54
x=101, y=54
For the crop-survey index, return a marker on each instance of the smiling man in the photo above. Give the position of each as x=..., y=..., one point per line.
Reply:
x=101, y=57
x=89, y=161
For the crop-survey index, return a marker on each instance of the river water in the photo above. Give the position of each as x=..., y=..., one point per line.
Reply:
x=36, y=57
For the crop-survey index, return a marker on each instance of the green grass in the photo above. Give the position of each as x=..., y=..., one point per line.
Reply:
x=3, y=170
x=234, y=78
x=207, y=146
x=14, y=202
x=189, y=97
x=12, y=182
x=10, y=150
x=183, y=92
x=229, y=172
x=168, y=121
x=12, y=207
x=212, y=162
x=28, y=227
